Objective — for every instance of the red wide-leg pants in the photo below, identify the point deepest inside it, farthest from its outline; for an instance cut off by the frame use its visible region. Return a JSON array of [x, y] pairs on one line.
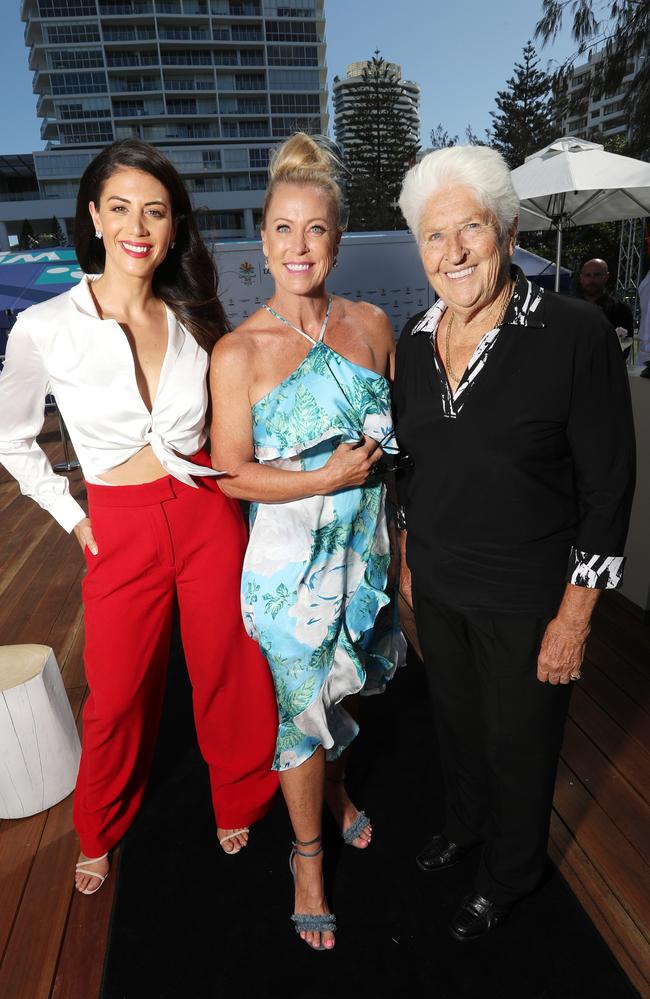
[[157, 541]]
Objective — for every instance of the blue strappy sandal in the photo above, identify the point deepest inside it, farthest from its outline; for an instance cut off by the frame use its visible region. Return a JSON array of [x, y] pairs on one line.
[[304, 922], [356, 828]]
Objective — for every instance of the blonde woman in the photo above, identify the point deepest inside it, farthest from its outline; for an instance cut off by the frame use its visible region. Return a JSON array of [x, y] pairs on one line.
[[301, 414]]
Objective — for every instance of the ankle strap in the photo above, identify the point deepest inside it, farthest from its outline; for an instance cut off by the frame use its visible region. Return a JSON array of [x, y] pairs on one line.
[[297, 843]]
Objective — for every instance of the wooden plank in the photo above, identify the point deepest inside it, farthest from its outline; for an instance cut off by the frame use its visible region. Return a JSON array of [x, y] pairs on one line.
[[624, 806], [634, 682], [32, 951], [624, 633], [617, 862], [631, 717], [626, 941], [626, 755], [80, 968], [19, 841]]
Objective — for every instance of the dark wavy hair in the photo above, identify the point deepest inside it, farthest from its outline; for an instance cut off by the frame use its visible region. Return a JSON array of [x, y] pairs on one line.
[[187, 279]]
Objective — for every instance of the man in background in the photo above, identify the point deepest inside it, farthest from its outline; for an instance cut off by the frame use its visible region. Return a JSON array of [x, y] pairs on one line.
[[593, 279]]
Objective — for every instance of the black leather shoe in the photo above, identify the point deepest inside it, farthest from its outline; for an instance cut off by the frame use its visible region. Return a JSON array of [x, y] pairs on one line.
[[439, 853], [475, 917]]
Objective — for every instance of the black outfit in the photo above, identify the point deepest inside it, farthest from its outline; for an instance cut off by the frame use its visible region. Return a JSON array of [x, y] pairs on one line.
[[522, 480], [618, 313]]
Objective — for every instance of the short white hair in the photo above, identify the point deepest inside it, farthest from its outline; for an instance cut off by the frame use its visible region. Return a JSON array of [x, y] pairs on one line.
[[479, 168]]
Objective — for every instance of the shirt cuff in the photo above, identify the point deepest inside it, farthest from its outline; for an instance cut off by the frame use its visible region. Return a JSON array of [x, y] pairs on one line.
[[597, 572], [67, 512]]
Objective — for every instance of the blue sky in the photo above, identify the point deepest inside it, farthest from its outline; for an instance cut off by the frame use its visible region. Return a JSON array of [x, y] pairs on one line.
[[459, 53]]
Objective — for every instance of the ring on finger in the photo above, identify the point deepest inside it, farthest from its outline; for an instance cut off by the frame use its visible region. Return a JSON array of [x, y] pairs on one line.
[[576, 676]]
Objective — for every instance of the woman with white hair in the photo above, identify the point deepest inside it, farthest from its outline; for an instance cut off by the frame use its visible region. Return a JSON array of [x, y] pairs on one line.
[[514, 406]]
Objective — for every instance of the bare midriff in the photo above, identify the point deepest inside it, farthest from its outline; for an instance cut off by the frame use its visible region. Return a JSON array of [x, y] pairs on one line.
[[140, 468]]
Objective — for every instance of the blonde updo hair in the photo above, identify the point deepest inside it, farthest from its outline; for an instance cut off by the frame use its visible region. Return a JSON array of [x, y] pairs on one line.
[[304, 160]]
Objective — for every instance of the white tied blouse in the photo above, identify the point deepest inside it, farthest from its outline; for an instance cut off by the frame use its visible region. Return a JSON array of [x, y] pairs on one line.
[[63, 347]]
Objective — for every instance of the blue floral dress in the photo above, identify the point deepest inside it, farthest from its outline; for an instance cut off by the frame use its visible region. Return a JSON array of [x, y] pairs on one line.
[[314, 574]]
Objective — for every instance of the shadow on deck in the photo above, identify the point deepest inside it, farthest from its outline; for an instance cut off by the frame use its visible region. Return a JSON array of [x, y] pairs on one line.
[[52, 939]]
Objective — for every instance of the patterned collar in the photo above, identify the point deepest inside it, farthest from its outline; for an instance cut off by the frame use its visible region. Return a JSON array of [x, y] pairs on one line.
[[526, 307]]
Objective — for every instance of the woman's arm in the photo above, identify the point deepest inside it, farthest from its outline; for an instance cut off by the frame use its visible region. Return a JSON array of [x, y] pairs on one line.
[[232, 441], [23, 387]]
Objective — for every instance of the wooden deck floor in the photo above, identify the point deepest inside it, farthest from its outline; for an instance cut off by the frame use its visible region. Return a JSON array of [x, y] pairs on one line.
[[600, 825], [52, 939]]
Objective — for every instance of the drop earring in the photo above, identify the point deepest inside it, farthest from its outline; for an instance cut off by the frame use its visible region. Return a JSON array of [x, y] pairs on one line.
[[267, 269], [336, 262], [172, 244], [98, 234]]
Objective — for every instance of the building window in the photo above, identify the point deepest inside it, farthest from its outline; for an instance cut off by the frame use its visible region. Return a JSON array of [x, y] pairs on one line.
[[295, 104], [180, 105], [293, 55], [298, 31], [84, 109], [79, 83], [246, 33], [258, 158], [296, 79], [249, 81], [75, 59], [214, 221], [285, 126], [71, 8], [70, 33], [86, 132]]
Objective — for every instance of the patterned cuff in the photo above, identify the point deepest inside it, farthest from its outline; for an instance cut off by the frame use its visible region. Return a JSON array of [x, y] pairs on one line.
[[598, 572]]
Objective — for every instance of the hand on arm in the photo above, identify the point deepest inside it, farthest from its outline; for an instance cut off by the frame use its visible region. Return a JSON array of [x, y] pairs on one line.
[[232, 441], [563, 645]]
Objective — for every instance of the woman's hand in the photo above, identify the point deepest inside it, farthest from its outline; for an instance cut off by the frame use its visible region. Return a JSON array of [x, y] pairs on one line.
[[562, 651], [84, 534], [351, 464]]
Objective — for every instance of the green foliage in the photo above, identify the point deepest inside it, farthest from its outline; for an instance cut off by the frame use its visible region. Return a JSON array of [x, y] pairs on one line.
[[378, 151], [620, 29], [523, 122], [274, 602], [328, 539], [288, 737], [27, 240]]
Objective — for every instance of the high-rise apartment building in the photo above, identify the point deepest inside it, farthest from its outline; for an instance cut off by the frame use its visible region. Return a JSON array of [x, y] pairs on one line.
[[346, 95], [601, 115], [213, 83]]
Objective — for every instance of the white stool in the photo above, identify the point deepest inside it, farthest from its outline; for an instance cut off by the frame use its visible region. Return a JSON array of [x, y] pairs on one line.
[[39, 745]]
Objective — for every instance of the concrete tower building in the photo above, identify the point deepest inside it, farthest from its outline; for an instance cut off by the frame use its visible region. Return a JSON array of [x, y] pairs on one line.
[[346, 96], [214, 83]]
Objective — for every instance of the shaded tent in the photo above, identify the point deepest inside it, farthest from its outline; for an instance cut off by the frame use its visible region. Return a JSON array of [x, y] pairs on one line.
[[575, 182]]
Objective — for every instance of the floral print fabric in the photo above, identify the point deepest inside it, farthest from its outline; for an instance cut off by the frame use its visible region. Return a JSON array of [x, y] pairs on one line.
[[315, 569]]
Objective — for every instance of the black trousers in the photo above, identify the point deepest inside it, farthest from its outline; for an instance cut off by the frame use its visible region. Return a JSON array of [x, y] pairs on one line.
[[500, 732]]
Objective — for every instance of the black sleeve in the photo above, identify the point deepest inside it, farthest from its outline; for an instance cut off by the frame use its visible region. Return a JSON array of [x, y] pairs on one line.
[[600, 431]]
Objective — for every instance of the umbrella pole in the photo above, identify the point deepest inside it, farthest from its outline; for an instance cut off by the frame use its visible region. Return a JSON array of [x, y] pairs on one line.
[[558, 256]]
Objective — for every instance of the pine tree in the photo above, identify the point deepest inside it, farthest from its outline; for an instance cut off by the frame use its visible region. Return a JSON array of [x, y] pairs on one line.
[[57, 233], [379, 148], [523, 122], [621, 31], [27, 240]]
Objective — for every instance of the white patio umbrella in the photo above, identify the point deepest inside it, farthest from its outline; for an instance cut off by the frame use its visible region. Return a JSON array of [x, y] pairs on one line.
[[575, 182]]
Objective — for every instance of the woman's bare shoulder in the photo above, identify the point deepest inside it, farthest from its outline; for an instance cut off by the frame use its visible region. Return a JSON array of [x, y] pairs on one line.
[[242, 342]]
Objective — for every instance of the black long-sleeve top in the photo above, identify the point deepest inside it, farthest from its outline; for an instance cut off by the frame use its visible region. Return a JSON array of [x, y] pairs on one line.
[[522, 479]]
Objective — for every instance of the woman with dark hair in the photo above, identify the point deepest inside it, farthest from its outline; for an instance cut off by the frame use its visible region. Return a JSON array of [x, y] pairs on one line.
[[126, 353]]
